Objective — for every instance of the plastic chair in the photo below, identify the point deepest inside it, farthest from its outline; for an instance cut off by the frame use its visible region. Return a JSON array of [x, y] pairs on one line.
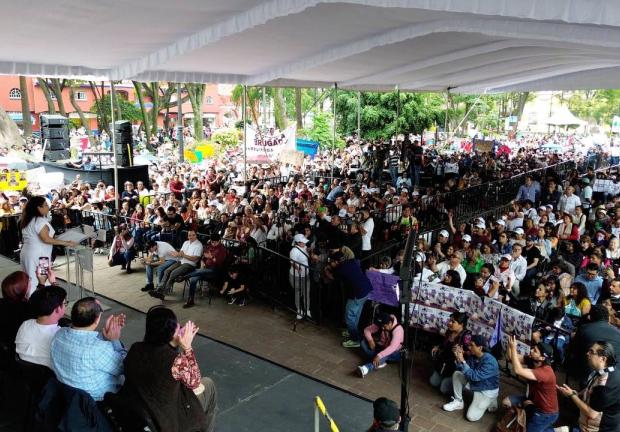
[[34, 377]]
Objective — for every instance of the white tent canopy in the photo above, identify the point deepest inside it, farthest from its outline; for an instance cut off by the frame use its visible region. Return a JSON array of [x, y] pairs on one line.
[[426, 45], [564, 117]]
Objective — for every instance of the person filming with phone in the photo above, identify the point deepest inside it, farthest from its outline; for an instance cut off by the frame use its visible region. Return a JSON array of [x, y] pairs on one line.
[[38, 235]]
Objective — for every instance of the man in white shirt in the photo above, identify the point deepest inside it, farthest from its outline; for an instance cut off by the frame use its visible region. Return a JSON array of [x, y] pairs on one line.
[[568, 201], [298, 275], [189, 257], [160, 256], [519, 267], [452, 263], [503, 272], [368, 226], [34, 337]]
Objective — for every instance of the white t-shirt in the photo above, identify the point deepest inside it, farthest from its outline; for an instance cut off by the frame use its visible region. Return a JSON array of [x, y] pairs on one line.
[[34, 340], [300, 256], [164, 250], [192, 249], [369, 226]]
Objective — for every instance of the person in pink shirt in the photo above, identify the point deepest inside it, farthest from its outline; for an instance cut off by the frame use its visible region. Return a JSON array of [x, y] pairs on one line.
[[382, 343]]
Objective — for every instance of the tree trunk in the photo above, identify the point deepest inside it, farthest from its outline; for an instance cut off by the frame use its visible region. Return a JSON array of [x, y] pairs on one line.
[[51, 109], [9, 132], [298, 114], [102, 118], [80, 113], [26, 120], [196, 94], [522, 101], [57, 89], [145, 117], [279, 112]]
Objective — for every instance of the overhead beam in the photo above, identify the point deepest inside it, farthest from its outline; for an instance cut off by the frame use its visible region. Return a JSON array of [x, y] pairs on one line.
[[550, 32]]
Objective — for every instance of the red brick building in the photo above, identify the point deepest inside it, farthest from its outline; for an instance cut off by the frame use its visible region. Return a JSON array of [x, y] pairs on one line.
[[217, 108]]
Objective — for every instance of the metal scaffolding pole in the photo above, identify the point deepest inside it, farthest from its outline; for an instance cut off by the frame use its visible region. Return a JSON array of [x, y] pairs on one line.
[[180, 124], [334, 126], [113, 133], [245, 132]]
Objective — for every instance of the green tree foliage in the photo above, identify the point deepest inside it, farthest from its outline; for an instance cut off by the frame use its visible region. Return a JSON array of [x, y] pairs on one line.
[[226, 137], [322, 131], [378, 113], [128, 110], [598, 106]]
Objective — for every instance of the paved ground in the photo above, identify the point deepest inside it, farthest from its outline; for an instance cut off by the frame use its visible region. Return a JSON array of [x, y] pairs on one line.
[[311, 350]]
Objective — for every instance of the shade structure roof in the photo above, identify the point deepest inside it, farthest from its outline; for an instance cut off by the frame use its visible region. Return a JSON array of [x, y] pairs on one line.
[[467, 46], [564, 117]]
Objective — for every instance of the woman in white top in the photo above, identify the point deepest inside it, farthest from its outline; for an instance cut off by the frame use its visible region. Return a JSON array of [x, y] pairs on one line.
[[613, 250], [38, 238]]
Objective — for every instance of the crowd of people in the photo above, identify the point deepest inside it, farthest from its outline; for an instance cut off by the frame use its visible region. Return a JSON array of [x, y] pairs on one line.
[[553, 255]]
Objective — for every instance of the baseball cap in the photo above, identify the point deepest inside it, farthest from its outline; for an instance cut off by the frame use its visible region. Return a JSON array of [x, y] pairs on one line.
[[500, 222], [382, 318], [532, 237], [480, 225], [507, 257], [444, 233], [300, 238], [546, 350], [519, 231], [385, 411], [467, 238]]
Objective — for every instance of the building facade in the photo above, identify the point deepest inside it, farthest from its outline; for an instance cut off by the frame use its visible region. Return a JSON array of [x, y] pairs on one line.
[[217, 109]]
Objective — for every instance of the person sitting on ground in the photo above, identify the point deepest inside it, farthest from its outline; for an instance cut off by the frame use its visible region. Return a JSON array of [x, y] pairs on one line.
[[443, 355], [189, 256], [85, 359], [122, 251], [163, 373], [213, 261], [600, 398], [382, 343], [479, 373], [541, 406], [235, 286], [34, 337], [386, 415], [159, 257]]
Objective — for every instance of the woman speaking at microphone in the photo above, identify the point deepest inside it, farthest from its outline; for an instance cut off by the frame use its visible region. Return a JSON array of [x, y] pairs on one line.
[[38, 240]]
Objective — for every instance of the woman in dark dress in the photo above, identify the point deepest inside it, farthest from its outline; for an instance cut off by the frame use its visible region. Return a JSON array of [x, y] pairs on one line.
[[14, 311], [162, 372]]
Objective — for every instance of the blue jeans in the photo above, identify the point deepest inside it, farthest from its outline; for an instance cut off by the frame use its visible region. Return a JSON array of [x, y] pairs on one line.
[[160, 271], [415, 171], [200, 275], [536, 421], [352, 313], [395, 356], [123, 258], [394, 174]]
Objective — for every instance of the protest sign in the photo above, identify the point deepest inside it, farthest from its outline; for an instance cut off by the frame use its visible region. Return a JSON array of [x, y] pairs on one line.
[[266, 147]]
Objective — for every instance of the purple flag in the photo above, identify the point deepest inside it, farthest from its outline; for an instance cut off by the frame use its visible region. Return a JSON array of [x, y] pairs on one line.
[[496, 337], [384, 287]]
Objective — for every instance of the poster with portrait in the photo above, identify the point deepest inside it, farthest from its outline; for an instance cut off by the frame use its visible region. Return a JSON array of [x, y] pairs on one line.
[[490, 312], [428, 318], [517, 323]]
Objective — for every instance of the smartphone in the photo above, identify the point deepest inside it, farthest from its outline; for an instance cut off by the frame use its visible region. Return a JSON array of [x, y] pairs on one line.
[[44, 265]]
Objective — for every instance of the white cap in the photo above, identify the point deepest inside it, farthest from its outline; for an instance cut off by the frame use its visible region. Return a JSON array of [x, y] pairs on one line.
[[519, 231], [500, 222], [444, 233], [300, 238], [480, 225], [405, 190], [467, 238], [415, 193], [506, 257]]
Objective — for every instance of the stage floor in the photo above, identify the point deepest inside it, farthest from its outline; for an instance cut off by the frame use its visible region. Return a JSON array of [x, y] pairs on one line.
[[267, 375]]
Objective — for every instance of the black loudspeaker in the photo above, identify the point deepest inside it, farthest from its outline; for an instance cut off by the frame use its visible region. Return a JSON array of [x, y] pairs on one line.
[[124, 142], [55, 135], [56, 155]]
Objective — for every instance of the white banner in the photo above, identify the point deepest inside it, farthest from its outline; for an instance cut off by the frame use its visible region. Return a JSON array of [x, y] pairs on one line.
[[615, 124], [267, 147]]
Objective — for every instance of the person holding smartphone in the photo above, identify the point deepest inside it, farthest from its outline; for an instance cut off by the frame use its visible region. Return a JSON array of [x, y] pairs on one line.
[[38, 236]]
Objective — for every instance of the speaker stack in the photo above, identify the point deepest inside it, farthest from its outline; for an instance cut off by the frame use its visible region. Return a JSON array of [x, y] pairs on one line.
[[55, 136], [124, 143]]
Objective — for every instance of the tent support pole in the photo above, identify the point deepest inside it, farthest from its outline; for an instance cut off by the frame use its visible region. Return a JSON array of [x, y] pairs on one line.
[[445, 127], [245, 132], [359, 115], [334, 126], [397, 129], [113, 133], [180, 124]]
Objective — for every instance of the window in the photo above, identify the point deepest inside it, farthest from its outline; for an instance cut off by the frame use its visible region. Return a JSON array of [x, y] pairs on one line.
[[81, 96], [209, 100], [15, 93]]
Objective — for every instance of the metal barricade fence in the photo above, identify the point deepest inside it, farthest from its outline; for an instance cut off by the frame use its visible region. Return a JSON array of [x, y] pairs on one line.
[[320, 410]]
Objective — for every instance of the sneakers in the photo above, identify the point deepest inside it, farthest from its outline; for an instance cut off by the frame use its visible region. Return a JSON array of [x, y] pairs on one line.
[[299, 316], [454, 405], [362, 371], [350, 344], [189, 303], [345, 334], [381, 365], [148, 287], [241, 303], [232, 300]]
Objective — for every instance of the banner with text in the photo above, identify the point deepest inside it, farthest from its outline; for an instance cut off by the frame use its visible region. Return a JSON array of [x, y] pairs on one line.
[[266, 147]]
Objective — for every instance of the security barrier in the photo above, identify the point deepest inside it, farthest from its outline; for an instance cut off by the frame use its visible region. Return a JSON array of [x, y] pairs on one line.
[[319, 408]]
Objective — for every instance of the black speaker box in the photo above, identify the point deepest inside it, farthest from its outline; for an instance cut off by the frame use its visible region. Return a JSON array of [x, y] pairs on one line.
[[53, 156], [53, 120], [55, 144], [55, 132]]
